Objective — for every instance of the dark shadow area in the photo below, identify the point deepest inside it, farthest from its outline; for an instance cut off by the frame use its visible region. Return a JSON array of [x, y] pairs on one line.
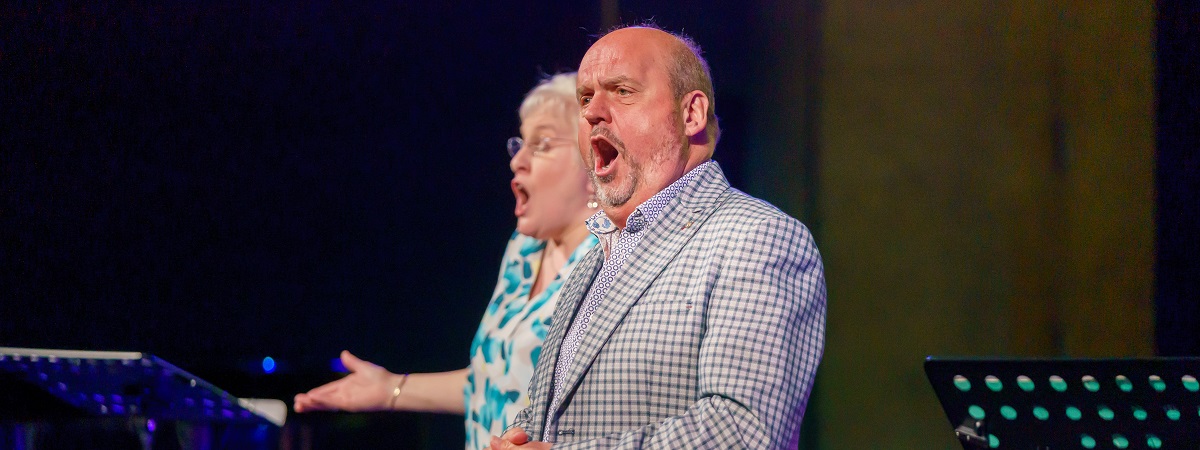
[[1177, 272]]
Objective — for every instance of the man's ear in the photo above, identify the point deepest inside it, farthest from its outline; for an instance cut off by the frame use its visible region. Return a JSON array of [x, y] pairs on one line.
[[694, 110]]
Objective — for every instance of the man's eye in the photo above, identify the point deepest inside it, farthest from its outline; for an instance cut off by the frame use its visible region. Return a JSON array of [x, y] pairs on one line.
[[623, 92], [583, 101]]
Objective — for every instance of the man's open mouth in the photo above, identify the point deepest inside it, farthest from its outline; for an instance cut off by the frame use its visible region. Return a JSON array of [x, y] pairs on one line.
[[605, 153]]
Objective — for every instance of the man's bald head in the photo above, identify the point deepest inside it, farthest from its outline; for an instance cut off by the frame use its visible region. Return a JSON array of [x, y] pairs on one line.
[[645, 115], [688, 70]]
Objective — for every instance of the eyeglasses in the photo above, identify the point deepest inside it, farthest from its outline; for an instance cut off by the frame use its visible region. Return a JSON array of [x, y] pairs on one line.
[[539, 146]]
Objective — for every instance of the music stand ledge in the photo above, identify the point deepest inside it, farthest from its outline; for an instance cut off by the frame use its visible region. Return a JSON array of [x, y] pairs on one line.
[[1056, 404]]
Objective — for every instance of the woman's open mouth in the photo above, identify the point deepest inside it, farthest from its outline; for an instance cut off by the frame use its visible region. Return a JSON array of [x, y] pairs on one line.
[[522, 197]]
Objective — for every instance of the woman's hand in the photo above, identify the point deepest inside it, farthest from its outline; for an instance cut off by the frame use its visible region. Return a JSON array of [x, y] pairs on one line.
[[368, 387]]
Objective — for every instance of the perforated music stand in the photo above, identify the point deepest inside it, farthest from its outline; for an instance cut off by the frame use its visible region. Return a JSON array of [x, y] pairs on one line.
[[1070, 403], [133, 384]]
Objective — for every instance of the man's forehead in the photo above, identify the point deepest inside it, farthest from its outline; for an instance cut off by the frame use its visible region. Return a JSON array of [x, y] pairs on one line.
[[599, 59], [603, 63], [605, 51]]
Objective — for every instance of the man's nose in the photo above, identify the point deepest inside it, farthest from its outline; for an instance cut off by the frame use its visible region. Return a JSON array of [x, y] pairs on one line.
[[596, 110]]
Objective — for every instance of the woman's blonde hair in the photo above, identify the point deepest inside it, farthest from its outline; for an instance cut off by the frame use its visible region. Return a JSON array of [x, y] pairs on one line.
[[556, 91]]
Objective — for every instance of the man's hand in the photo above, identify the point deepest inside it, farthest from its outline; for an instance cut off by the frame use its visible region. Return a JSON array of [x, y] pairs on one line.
[[516, 438], [368, 387]]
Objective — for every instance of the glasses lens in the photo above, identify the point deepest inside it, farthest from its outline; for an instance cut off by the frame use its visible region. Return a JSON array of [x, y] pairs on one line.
[[514, 146]]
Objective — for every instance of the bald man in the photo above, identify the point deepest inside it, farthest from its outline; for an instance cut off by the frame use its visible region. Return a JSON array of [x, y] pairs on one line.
[[699, 321]]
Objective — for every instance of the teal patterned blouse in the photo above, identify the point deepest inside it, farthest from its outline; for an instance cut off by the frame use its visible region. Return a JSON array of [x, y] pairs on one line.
[[509, 340]]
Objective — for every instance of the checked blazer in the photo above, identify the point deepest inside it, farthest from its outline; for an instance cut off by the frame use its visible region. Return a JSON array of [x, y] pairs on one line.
[[709, 337]]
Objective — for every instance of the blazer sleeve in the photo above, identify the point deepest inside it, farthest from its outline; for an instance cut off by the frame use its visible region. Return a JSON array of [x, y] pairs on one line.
[[764, 337]]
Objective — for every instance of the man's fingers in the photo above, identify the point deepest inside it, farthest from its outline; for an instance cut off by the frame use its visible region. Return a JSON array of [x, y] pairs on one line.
[[517, 436], [501, 444]]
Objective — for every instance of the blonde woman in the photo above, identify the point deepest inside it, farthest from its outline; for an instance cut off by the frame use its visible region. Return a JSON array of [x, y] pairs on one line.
[[553, 199]]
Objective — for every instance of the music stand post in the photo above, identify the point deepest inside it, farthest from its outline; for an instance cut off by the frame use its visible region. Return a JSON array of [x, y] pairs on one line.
[[1056, 404]]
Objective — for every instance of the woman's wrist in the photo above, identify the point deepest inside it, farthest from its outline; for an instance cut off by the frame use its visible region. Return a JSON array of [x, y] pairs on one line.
[[397, 389]]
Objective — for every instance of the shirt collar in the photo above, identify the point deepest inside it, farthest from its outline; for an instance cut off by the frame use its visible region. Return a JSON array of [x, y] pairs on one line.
[[646, 213]]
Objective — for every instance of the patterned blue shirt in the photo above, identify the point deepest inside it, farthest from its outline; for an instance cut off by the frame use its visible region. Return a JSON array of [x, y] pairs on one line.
[[618, 244], [509, 340]]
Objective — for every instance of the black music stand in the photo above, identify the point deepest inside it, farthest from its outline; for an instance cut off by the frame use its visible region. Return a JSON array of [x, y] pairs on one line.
[[1056, 404], [92, 384]]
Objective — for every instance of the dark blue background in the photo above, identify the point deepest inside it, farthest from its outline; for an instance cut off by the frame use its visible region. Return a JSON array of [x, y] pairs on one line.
[[215, 182]]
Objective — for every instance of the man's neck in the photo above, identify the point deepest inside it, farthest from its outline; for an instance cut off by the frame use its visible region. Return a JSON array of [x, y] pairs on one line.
[[619, 215]]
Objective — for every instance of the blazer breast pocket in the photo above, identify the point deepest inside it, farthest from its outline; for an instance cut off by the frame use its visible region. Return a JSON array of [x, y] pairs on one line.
[[664, 329]]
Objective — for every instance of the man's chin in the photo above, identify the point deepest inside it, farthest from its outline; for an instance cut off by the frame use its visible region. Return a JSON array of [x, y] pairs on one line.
[[609, 191], [613, 199]]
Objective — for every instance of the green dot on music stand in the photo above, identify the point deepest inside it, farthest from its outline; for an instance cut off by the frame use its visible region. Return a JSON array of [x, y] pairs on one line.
[[1124, 384], [1105, 413], [1172, 413], [1058, 383], [1073, 413], [962, 383], [1025, 383], [1120, 441], [1041, 413], [1087, 441], [976, 412], [1190, 383], [993, 383], [1139, 413], [1090, 383], [1008, 412], [1157, 383], [1153, 441], [993, 441]]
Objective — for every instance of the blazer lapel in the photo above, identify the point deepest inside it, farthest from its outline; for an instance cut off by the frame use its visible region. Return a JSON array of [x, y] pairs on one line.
[[674, 227], [574, 290]]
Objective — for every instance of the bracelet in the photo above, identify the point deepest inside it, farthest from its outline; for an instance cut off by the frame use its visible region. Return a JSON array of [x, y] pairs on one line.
[[396, 391]]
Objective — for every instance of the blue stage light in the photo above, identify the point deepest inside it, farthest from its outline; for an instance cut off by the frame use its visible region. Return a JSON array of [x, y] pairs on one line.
[[336, 365], [268, 364]]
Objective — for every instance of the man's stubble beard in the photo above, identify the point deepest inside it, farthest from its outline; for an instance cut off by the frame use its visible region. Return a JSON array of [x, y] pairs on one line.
[[610, 196]]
